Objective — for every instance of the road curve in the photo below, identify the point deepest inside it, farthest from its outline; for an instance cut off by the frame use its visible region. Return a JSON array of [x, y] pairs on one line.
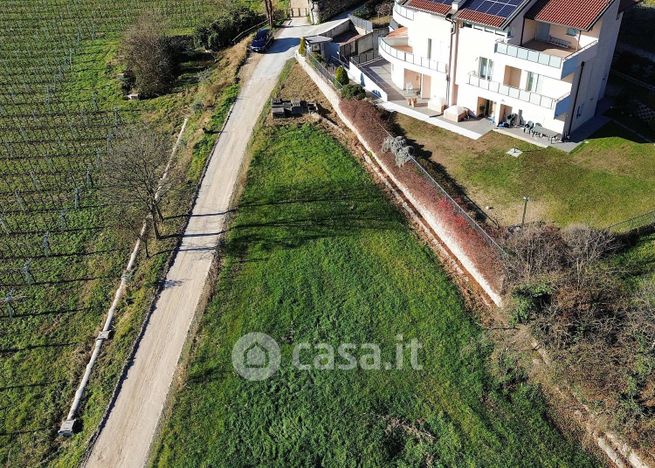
[[126, 437]]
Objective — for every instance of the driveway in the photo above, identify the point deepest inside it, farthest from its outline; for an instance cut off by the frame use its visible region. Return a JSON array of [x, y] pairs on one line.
[[126, 437]]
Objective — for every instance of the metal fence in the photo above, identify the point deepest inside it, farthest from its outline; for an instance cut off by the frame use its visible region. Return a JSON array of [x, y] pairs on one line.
[[326, 73], [298, 12], [459, 209], [635, 224]]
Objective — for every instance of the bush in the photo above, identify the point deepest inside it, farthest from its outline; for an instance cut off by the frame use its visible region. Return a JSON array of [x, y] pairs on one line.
[[341, 76], [220, 32], [303, 46], [149, 56], [353, 92]]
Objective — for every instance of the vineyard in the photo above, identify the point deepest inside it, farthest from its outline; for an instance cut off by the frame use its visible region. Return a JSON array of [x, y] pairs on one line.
[[60, 257]]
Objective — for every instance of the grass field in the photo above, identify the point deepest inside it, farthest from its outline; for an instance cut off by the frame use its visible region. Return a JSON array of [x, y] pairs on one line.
[[60, 98], [607, 180], [316, 253]]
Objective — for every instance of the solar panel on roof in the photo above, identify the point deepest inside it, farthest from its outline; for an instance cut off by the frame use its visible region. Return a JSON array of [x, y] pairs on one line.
[[503, 8]]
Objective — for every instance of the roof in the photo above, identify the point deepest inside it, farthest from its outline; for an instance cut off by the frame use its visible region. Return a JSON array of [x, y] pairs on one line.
[[399, 32], [494, 13], [318, 39], [440, 7], [473, 16], [570, 13]]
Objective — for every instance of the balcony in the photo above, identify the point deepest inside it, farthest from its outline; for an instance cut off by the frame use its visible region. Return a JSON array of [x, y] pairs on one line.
[[546, 58], [403, 16], [559, 106], [398, 51]]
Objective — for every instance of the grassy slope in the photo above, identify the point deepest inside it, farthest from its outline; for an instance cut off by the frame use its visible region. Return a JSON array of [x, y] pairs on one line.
[[605, 181], [316, 253]]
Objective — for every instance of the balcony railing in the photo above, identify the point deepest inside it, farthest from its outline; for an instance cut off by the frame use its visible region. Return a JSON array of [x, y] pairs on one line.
[[410, 58], [403, 12], [536, 56], [516, 93]]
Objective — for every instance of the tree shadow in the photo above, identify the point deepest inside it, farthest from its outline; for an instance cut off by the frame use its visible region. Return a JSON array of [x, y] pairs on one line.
[[293, 215]]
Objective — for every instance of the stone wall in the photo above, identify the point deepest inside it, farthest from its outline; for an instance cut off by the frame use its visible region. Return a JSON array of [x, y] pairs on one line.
[[323, 10]]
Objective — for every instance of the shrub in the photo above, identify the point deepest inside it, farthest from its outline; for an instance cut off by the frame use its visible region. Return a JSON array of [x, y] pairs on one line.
[[220, 32], [341, 76], [149, 56], [303, 46], [353, 92], [369, 120]]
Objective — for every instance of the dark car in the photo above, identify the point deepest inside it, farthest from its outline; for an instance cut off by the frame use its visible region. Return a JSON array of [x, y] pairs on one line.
[[262, 40]]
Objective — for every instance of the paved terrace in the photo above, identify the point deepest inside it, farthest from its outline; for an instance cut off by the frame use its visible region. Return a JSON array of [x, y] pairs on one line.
[[380, 72]]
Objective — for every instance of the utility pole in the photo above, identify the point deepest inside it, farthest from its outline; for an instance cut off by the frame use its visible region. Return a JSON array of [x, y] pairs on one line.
[[525, 209], [269, 12]]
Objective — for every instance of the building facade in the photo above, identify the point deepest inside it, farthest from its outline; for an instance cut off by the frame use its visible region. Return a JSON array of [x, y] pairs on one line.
[[546, 61]]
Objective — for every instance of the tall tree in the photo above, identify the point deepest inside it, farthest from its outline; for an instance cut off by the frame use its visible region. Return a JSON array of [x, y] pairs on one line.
[[132, 172]]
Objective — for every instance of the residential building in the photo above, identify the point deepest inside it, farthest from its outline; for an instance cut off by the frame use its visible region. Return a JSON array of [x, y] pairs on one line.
[[547, 61]]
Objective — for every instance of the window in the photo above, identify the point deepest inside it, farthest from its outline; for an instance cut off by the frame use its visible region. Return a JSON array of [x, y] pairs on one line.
[[429, 49], [572, 32], [534, 82], [486, 68]]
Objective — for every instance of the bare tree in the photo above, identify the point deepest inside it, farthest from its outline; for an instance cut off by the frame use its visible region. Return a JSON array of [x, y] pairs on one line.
[[133, 168], [148, 55]]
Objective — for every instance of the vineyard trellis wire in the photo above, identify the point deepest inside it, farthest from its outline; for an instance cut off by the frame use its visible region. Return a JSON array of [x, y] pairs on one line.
[[55, 128]]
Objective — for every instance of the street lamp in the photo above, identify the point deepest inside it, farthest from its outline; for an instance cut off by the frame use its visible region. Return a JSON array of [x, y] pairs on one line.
[[525, 209]]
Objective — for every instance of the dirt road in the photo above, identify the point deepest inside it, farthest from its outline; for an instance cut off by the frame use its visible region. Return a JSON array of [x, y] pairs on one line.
[[127, 435]]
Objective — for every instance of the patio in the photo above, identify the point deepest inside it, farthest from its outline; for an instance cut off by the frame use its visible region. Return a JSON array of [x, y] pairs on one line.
[[379, 72]]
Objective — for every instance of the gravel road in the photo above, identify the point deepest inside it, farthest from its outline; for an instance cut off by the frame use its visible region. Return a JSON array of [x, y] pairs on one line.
[[126, 438]]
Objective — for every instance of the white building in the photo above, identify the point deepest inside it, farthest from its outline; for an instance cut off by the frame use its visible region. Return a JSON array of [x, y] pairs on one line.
[[545, 60]]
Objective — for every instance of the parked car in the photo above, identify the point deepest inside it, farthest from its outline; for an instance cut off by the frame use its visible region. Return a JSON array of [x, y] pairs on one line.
[[262, 40]]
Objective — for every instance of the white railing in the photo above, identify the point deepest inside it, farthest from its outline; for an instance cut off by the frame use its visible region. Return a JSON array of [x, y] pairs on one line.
[[536, 56], [403, 12], [413, 59], [516, 93]]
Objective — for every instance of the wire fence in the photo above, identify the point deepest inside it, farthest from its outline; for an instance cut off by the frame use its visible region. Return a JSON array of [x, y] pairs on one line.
[[458, 208], [322, 69], [634, 224]]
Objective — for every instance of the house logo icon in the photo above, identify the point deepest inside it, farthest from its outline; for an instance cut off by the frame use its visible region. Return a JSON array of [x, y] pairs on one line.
[[256, 356]]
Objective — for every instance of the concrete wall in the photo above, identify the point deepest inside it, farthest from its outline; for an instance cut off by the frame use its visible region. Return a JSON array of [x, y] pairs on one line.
[[426, 27], [596, 71], [356, 75]]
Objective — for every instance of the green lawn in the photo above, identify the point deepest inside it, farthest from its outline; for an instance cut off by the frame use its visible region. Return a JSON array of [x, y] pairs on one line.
[[604, 181], [316, 253]]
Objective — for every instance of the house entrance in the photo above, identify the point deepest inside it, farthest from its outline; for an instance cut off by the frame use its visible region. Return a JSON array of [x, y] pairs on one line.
[[486, 108]]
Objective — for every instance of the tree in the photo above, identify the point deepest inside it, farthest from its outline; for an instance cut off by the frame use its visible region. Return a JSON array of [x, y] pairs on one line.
[[341, 76], [270, 12], [132, 172], [148, 55]]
